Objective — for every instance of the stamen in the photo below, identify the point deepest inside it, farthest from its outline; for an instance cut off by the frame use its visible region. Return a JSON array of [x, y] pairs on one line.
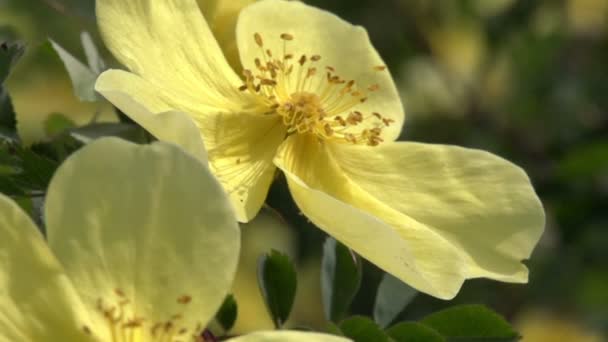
[[312, 102]]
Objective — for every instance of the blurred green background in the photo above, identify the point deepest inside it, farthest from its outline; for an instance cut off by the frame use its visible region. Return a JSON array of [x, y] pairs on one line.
[[527, 80]]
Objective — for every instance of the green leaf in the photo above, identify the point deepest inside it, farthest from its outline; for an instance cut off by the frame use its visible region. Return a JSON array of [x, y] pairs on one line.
[[392, 297], [8, 121], [83, 78], [340, 279], [131, 132], [57, 123], [413, 332], [278, 282], [471, 323], [9, 55], [96, 63], [362, 329], [227, 314]]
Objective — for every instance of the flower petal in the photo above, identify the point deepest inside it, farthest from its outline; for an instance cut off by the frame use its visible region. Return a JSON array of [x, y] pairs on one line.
[[169, 43], [481, 203], [147, 224], [222, 16], [345, 47], [37, 300], [288, 336], [240, 146], [393, 241]]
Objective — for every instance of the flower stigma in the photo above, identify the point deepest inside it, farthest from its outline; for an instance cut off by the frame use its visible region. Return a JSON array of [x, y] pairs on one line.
[[313, 100], [126, 326]]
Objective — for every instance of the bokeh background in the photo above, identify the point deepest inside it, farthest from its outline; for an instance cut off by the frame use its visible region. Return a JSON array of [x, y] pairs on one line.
[[527, 80]]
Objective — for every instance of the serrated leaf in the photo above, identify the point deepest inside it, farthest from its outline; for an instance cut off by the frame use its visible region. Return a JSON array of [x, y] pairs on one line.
[[413, 332], [278, 283], [471, 323], [362, 329], [9, 55], [83, 78], [96, 63], [392, 297], [340, 279], [226, 316]]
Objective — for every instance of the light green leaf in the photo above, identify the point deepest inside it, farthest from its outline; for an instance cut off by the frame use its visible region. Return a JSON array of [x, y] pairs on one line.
[[392, 297], [83, 78]]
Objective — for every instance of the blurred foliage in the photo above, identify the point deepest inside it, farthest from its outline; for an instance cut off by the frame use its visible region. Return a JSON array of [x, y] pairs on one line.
[[527, 80]]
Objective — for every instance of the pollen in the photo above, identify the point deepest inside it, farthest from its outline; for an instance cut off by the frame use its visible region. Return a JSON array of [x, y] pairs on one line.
[[310, 97], [125, 325]]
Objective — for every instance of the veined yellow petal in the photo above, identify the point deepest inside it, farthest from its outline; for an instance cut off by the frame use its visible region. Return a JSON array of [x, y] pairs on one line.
[[340, 45], [144, 229], [240, 146], [169, 44], [481, 203], [37, 300], [395, 242], [288, 336], [222, 16]]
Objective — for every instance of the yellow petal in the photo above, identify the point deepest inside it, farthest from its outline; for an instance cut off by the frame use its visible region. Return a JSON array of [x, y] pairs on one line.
[[37, 300], [345, 47], [288, 336], [393, 241], [240, 146], [169, 44], [222, 16], [482, 204], [148, 224]]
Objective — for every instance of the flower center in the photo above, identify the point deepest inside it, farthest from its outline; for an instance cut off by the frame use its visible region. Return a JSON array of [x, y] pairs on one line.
[[311, 101], [126, 326]]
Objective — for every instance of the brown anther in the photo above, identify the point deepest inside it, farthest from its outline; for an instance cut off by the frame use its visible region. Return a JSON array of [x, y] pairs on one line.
[[354, 118], [350, 138], [387, 122], [380, 68], [328, 130], [332, 69], [311, 72], [269, 53], [340, 120], [268, 82], [86, 330], [168, 326], [377, 115], [315, 58], [302, 60], [363, 100], [243, 87], [288, 56], [119, 292], [286, 36], [374, 87], [182, 331], [258, 39], [356, 93], [185, 299], [258, 63]]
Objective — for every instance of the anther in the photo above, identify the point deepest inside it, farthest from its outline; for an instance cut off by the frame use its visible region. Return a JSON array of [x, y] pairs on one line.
[[258, 39], [185, 299], [302, 60], [380, 68], [315, 58], [286, 36]]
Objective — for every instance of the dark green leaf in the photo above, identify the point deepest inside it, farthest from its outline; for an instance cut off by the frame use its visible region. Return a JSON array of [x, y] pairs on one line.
[[471, 323], [413, 332], [392, 297], [8, 121], [278, 282], [362, 329], [57, 123], [9, 55], [226, 316], [340, 279]]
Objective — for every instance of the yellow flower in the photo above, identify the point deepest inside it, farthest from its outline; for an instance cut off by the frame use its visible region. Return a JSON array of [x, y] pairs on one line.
[[317, 102], [128, 259]]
